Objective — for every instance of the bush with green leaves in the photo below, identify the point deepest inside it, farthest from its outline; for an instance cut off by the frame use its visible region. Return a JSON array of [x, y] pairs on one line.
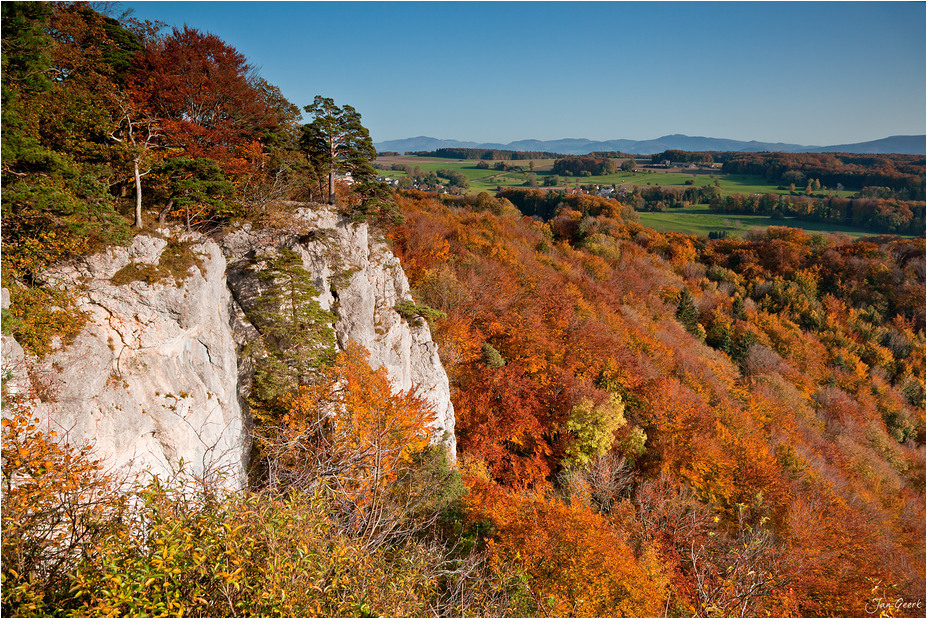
[[38, 315], [593, 430]]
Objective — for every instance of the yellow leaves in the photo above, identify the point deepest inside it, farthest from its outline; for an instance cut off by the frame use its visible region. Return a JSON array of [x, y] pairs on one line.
[[42, 513], [593, 428], [350, 429]]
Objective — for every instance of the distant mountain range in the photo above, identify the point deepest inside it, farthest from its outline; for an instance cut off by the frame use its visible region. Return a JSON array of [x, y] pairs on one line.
[[904, 144]]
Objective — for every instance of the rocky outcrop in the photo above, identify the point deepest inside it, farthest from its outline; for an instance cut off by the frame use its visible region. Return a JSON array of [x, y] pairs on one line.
[[152, 379], [155, 377], [361, 281]]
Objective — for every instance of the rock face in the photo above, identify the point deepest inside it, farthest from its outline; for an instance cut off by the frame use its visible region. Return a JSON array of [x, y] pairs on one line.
[[151, 380], [155, 378], [361, 281]]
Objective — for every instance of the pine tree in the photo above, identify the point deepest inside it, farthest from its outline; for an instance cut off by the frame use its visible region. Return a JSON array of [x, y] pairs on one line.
[[298, 338], [719, 337], [336, 141], [687, 313], [198, 187], [737, 308]]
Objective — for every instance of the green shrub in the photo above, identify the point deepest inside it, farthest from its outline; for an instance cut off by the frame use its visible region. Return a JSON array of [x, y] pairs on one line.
[[175, 262], [492, 357]]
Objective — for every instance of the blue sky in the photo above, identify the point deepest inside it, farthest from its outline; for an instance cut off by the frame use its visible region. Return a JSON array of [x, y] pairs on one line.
[[803, 72]]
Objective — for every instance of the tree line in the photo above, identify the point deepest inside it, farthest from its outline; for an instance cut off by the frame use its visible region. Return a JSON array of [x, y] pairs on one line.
[[584, 166], [545, 204], [879, 215], [682, 156], [902, 173], [610, 154], [656, 198]]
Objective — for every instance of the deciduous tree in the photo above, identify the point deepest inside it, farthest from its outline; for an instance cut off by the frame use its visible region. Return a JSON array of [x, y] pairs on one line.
[[205, 94], [138, 133], [350, 433]]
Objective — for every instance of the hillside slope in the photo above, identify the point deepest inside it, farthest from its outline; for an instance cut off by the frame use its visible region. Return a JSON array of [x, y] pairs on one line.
[[779, 380]]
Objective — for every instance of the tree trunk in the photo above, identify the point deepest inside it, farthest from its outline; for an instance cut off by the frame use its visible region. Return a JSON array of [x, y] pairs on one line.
[[162, 216], [138, 197], [332, 153], [331, 187]]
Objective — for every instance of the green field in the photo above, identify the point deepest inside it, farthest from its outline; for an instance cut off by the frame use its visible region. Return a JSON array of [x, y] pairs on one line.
[[480, 180], [699, 220], [696, 219], [489, 180]]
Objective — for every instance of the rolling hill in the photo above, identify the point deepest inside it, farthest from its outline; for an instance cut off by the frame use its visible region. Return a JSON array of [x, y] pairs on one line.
[[904, 144]]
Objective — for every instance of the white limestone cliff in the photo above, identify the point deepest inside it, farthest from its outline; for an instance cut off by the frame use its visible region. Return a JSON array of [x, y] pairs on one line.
[[154, 378], [151, 379], [361, 281]]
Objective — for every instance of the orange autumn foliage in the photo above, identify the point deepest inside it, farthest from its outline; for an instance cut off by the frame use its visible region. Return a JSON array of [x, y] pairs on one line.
[[815, 377], [58, 502], [577, 564], [349, 428]]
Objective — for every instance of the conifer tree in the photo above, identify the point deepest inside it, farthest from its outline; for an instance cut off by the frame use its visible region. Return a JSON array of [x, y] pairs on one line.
[[336, 141], [687, 313], [737, 308], [492, 357], [198, 187], [57, 168], [298, 338]]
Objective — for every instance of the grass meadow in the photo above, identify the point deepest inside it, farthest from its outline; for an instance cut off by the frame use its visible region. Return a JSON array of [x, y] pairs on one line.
[[488, 180], [697, 219]]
